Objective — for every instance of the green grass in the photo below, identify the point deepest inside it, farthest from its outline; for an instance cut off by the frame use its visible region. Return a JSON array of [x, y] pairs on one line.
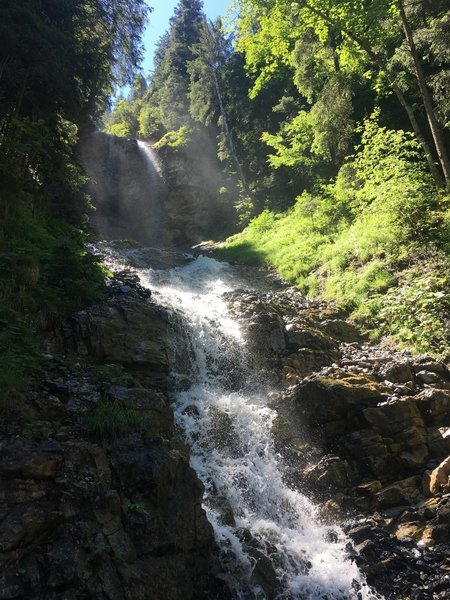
[[45, 274], [110, 419], [355, 243]]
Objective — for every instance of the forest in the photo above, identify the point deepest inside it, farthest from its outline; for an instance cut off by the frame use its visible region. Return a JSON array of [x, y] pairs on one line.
[[330, 122], [225, 301]]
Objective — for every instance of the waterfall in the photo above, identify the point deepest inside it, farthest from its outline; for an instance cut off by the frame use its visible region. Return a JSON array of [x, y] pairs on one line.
[[126, 187], [271, 540], [151, 159]]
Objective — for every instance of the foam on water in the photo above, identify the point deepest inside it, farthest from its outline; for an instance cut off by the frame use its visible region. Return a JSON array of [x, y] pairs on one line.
[[255, 515]]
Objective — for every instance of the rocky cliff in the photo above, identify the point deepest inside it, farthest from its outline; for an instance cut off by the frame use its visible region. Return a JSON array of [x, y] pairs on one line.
[[364, 428], [97, 497], [160, 198]]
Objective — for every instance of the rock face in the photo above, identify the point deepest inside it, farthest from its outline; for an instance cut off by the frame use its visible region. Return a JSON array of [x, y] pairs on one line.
[[126, 188], [97, 498], [365, 429], [164, 199]]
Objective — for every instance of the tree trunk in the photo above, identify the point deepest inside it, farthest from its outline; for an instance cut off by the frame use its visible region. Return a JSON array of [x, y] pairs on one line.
[[378, 60], [226, 129], [422, 141], [228, 133], [426, 97]]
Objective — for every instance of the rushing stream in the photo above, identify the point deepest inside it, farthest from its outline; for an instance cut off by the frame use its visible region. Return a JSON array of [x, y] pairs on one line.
[[271, 539]]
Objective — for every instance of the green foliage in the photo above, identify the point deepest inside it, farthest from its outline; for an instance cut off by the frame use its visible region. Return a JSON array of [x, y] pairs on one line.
[[123, 121], [175, 139], [139, 508], [112, 371], [57, 70], [110, 419], [417, 312], [45, 273], [349, 241]]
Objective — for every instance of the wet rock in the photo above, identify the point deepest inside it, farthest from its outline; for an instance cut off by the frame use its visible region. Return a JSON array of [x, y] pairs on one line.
[[331, 472], [399, 493], [152, 404], [322, 399], [124, 331]]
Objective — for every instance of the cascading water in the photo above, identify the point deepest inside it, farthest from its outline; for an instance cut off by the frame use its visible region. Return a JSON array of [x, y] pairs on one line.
[[272, 542], [126, 186]]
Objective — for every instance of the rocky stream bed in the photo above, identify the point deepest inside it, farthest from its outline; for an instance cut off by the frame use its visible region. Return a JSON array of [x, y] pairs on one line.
[[95, 511]]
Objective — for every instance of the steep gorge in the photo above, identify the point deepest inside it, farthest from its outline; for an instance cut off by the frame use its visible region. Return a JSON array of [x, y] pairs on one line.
[[185, 422]]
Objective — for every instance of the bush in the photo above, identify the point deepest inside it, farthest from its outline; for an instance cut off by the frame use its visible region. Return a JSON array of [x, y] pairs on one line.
[[351, 241], [417, 312]]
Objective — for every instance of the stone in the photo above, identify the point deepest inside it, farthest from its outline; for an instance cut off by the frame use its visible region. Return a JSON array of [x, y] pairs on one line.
[[435, 534], [23, 460], [412, 531], [304, 362], [399, 493], [434, 367], [126, 331], [331, 472], [439, 478], [341, 330], [434, 405], [25, 524], [438, 439], [153, 405], [323, 399], [307, 337], [397, 372], [370, 488], [428, 377], [394, 418]]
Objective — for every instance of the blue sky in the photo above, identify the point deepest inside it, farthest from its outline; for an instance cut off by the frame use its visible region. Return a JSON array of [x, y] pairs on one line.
[[159, 23]]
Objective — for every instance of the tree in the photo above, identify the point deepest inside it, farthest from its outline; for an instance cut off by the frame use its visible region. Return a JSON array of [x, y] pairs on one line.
[[206, 96], [169, 85], [365, 37]]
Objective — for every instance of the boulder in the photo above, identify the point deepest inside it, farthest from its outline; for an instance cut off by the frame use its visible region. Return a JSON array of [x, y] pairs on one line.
[[399, 493], [152, 404], [123, 330], [438, 439], [341, 330], [397, 372], [331, 473], [440, 478], [322, 399], [23, 460]]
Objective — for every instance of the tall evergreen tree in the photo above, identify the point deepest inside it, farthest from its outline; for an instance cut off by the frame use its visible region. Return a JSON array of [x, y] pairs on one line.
[[169, 86]]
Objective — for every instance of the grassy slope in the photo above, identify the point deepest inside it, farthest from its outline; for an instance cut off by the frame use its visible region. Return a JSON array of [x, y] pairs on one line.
[[45, 273], [375, 241]]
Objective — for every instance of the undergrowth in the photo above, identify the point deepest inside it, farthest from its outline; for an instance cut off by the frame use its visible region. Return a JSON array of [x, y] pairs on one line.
[[375, 241], [45, 274], [110, 419]]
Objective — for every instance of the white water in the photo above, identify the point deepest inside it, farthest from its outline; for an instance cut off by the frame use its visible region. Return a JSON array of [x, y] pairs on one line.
[[150, 157], [228, 431]]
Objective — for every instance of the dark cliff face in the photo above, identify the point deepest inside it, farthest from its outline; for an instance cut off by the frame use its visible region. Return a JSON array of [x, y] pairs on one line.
[[168, 199], [97, 498], [126, 189]]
